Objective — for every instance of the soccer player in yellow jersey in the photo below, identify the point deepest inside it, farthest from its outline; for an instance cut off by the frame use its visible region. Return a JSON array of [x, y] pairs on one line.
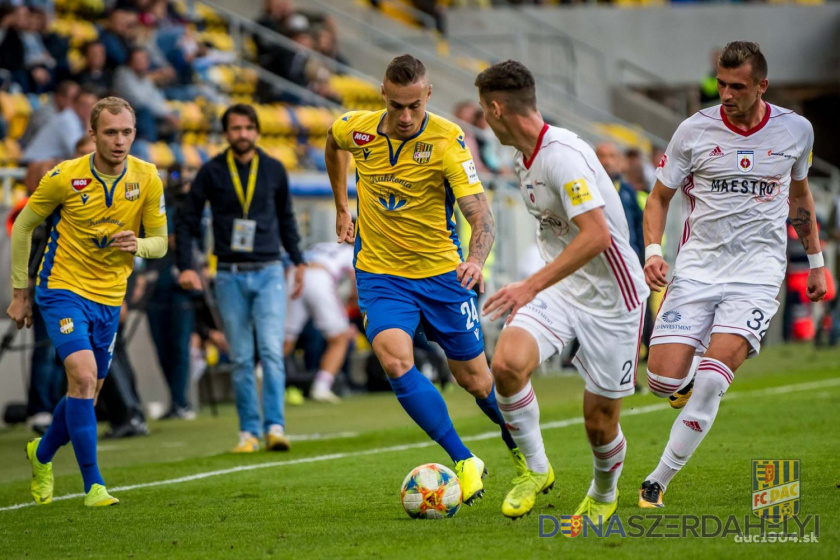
[[411, 168], [96, 205]]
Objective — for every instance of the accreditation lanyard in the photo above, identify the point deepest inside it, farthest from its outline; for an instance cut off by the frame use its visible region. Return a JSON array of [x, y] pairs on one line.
[[245, 198]]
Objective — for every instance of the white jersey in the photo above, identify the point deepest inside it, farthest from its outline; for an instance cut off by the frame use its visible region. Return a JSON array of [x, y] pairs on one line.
[[337, 258], [736, 187], [561, 180]]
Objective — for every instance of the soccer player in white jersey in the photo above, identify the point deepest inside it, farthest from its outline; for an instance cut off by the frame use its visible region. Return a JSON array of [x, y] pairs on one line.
[[743, 169], [592, 288], [328, 264]]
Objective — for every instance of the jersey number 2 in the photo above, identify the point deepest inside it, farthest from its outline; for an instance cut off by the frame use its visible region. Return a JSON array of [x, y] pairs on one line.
[[468, 309]]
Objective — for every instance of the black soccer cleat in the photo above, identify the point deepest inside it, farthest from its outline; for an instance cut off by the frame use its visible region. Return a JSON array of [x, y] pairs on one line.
[[650, 495]]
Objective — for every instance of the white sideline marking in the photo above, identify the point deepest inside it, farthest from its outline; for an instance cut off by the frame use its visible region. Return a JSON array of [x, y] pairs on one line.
[[487, 435]]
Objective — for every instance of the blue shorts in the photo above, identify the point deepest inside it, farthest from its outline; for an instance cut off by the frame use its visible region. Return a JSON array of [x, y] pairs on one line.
[[75, 323], [447, 311]]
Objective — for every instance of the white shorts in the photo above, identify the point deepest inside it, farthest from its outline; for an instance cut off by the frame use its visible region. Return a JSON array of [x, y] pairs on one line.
[[609, 345], [320, 301], [692, 311]]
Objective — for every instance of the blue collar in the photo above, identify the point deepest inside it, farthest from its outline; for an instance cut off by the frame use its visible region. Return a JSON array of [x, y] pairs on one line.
[[393, 157], [109, 195]]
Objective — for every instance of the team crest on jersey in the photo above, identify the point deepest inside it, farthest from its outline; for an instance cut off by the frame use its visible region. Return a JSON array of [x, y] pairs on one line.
[[775, 489], [80, 184], [529, 188], [662, 161], [422, 152], [746, 160], [65, 326], [132, 191], [362, 138]]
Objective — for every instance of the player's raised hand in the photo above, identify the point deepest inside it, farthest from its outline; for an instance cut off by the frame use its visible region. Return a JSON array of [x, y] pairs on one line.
[[816, 285], [510, 298], [656, 273], [125, 241], [344, 227], [469, 275], [20, 310]]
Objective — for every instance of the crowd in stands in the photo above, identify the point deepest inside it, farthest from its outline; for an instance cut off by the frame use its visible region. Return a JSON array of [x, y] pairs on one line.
[[177, 66]]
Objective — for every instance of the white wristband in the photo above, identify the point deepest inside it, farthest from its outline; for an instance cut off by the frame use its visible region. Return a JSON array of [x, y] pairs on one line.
[[816, 260], [654, 249]]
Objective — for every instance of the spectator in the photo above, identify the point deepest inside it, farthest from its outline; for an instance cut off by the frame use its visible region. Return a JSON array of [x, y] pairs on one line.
[[634, 170], [56, 140], [465, 113], [22, 52], [613, 162], [119, 37], [491, 152], [169, 308], [133, 84], [275, 16], [55, 46], [326, 43], [251, 206], [64, 96], [95, 75]]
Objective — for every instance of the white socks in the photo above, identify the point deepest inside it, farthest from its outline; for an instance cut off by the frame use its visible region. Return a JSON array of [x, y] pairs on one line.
[[608, 463], [695, 420], [522, 417], [323, 381]]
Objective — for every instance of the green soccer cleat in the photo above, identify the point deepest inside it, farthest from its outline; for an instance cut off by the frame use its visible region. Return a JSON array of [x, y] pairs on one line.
[[597, 512], [98, 496], [41, 485], [519, 464], [520, 500], [470, 472]]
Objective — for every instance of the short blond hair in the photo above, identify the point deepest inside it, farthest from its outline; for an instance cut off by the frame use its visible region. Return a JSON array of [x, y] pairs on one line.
[[113, 105]]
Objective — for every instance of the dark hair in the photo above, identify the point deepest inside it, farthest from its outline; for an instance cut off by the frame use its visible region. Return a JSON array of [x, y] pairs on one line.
[[513, 81], [241, 109], [405, 70], [736, 53], [65, 87], [89, 44]]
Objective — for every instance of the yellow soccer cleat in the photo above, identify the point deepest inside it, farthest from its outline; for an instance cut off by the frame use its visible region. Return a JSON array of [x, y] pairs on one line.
[[470, 472], [247, 444], [276, 439], [98, 496], [650, 495], [41, 485], [520, 500], [680, 398], [294, 396], [597, 512], [519, 464]]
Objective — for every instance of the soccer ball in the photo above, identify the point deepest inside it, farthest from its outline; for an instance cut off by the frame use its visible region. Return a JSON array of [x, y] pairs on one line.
[[431, 491]]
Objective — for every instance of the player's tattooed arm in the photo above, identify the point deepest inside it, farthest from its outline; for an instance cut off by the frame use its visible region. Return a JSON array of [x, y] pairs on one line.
[[803, 224], [476, 210], [803, 215]]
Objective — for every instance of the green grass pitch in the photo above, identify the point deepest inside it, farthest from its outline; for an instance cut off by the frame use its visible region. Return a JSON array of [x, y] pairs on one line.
[[336, 495]]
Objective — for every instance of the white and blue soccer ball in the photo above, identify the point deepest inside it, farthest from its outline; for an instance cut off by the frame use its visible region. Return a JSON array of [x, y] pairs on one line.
[[431, 491]]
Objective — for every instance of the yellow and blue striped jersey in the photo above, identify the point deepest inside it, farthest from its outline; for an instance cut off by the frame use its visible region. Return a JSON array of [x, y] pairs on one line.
[[85, 210], [406, 193]]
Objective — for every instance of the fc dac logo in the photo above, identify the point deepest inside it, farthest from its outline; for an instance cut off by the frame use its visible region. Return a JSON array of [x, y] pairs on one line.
[[775, 489]]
